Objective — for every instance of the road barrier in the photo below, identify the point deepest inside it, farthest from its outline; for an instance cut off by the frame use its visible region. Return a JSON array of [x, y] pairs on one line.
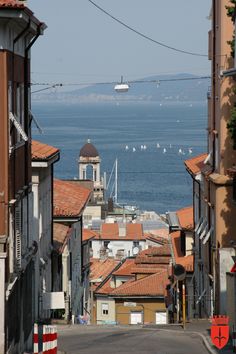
[[36, 339], [49, 339], [234, 339]]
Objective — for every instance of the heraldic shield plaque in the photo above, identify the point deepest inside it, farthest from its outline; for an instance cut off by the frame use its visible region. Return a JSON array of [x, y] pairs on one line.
[[220, 331]]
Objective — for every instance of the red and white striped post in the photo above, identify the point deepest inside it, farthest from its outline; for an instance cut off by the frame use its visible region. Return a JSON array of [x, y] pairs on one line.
[[45, 339], [49, 339], [234, 338], [54, 340], [36, 339]]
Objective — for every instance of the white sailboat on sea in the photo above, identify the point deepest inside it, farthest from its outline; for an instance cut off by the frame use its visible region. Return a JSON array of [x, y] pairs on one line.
[[114, 190]]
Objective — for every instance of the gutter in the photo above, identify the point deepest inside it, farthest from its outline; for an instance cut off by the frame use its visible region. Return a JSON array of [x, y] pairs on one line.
[[45, 162], [71, 219], [127, 297], [228, 73]]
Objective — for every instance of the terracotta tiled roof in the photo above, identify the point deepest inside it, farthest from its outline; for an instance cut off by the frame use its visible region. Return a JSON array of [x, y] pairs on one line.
[[150, 269], [125, 269], [69, 199], [195, 165], [12, 3], [40, 151], [102, 268], [60, 235], [185, 261], [158, 236], [134, 231], [109, 231], [153, 285], [185, 216], [156, 239], [157, 251], [164, 233], [88, 234], [20, 5], [106, 289], [152, 260]]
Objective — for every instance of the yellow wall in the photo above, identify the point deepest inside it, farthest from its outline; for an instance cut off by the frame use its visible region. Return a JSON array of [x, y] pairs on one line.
[[148, 306]]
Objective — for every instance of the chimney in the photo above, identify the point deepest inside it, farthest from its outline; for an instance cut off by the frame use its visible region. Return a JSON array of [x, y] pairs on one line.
[[110, 205], [122, 230]]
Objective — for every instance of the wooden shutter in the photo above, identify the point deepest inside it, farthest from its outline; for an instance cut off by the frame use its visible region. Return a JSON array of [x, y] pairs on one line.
[[18, 235]]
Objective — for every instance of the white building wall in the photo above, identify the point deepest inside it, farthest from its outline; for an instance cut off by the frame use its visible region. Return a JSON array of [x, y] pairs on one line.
[[226, 262], [42, 213], [92, 212], [115, 246]]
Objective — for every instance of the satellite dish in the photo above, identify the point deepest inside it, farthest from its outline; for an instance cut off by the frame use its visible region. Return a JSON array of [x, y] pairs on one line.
[[179, 272], [135, 250]]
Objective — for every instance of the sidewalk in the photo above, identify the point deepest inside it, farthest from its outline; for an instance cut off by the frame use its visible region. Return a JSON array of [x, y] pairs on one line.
[[201, 328], [204, 327]]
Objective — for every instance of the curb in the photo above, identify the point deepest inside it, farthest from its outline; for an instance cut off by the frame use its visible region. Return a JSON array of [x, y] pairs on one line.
[[206, 343]]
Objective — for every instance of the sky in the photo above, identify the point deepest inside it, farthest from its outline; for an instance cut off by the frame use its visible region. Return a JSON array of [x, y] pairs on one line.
[[82, 44]]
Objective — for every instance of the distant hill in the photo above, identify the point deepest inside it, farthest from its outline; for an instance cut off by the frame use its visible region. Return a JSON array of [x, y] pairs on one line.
[[173, 91]]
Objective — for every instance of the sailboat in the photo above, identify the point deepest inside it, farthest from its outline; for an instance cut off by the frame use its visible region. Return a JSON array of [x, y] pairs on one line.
[[114, 189]]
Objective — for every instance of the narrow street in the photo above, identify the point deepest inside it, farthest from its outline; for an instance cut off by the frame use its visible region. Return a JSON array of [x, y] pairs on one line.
[[125, 340]]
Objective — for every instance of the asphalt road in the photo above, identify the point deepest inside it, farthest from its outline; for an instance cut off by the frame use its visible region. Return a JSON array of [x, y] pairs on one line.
[[126, 340]]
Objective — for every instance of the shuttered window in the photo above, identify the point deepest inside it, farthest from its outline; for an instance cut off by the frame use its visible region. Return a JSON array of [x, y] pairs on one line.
[[18, 234], [105, 309]]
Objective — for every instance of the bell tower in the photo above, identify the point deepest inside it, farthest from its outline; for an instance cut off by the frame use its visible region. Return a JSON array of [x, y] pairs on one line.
[[89, 158]]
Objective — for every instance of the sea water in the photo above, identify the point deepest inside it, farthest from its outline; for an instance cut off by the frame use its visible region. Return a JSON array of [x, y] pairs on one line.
[[150, 140]]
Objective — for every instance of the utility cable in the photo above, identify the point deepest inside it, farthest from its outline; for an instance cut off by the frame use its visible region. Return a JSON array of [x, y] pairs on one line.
[[144, 35], [46, 88], [157, 81]]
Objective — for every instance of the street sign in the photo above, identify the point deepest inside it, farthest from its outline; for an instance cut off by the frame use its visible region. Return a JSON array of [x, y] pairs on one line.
[[53, 300], [130, 304]]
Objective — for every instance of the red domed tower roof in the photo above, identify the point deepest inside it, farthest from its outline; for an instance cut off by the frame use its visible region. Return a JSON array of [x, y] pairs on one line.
[[88, 150]]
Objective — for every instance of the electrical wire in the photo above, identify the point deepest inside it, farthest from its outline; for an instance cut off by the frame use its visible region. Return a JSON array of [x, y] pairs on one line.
[[157, 81], [46, 88], [144, 35]]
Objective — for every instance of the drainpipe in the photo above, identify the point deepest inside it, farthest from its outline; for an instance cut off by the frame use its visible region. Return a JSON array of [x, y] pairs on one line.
[[26, 99], [214, 81]]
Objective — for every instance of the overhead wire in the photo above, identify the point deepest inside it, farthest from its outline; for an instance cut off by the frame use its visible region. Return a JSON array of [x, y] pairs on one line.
[[144, 35], [46, 88], [157, 81]]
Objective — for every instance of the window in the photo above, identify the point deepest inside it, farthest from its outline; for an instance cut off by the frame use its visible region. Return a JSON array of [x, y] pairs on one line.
[[104, 309], [20, 107], [16, 114], [18, 235], [136, 243], [106, 243]]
